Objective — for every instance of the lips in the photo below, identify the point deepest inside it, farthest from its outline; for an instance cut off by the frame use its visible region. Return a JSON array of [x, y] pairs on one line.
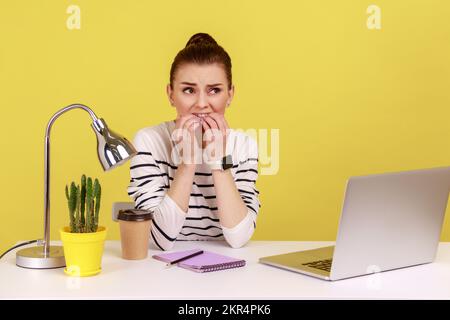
[[200, 115]]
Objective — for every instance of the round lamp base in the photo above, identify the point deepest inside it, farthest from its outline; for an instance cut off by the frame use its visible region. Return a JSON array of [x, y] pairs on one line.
[[34, 258]]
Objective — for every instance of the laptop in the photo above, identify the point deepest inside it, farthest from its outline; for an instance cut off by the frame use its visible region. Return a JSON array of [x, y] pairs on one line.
[[388, 221]]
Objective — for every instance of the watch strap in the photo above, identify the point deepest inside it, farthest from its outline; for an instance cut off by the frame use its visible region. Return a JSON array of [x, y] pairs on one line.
[[222, 164]]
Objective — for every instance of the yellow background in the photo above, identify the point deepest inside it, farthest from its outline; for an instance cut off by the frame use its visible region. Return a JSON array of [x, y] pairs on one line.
[[347, 100]]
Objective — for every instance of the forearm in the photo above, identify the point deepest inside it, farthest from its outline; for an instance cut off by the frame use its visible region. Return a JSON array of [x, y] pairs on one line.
[[181, 186], [231, 208]]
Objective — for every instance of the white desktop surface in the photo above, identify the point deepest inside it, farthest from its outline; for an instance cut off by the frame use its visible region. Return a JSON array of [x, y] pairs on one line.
[[151, 279]]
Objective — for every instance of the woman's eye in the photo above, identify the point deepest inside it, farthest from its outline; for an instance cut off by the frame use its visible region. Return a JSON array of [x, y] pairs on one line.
[[216, 90]]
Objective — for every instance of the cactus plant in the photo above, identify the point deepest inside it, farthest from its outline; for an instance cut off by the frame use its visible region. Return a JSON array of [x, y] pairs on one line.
[[97, 195], [83, 198], [84, 205], [88, 203], [72, 202]]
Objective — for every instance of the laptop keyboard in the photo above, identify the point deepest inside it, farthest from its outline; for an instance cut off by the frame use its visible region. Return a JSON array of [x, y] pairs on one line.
[[324, 265]]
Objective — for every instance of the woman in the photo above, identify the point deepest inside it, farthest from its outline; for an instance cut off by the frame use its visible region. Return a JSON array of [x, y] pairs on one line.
[[206, 197]]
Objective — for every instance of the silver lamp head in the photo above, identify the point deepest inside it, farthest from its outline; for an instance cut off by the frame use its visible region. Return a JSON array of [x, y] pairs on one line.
[[112, 148]]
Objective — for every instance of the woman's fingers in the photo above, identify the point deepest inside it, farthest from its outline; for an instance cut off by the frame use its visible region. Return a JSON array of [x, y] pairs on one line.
[[218, 134], [186, 132], [205, 126], [210, 121], [191, 124], [213, 126], [183, 123], [182, 120], [220, 121]]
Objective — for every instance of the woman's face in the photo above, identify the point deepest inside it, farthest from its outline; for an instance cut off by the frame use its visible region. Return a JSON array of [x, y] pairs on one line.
[[200, 89]]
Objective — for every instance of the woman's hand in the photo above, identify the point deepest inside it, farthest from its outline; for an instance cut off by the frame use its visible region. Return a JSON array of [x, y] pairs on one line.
[[215, 129], [186, 137]]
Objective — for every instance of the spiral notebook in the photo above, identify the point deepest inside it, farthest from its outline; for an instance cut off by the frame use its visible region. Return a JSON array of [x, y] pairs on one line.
[[205, 262]]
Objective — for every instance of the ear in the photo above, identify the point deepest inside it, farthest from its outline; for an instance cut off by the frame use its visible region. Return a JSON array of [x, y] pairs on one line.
[[230, 95], [169, 94]]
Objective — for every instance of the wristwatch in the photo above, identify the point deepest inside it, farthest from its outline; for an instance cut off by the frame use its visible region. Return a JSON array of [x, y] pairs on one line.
[[222, 164]]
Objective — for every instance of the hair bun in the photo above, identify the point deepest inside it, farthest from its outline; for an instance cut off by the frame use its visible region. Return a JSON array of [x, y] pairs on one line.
[[201, 39]]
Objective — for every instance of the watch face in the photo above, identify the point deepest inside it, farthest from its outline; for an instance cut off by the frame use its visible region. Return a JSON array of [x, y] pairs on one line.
[[227, 162]]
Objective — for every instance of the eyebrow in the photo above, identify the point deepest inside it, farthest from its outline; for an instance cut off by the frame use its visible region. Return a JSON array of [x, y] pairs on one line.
[[209, 85]]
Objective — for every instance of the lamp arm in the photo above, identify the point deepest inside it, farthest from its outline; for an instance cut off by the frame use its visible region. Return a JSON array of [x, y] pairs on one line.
[[63, 110], [46, 241]]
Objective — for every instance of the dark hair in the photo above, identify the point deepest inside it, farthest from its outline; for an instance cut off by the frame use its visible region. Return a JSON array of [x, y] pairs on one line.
[[202, 49]]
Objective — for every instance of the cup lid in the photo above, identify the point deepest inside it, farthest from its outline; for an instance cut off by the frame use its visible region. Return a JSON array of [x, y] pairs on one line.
[[135, 215]]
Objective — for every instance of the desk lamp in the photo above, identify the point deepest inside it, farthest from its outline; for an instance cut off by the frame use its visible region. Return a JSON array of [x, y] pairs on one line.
[[113, 150]]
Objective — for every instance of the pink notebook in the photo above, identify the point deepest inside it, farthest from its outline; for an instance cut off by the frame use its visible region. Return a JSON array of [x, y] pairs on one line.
[[205, 262]]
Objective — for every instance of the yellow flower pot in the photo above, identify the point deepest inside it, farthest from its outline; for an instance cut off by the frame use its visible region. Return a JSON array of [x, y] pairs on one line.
[[83, 251]]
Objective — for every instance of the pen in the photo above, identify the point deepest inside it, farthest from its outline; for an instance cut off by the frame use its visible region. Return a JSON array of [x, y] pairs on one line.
[[184, 258]]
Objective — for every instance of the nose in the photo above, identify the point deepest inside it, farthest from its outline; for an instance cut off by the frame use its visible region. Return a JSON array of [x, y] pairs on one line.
[[202, 101]]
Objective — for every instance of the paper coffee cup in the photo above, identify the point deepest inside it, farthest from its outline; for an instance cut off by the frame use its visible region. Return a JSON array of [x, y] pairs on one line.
[[134, 233]]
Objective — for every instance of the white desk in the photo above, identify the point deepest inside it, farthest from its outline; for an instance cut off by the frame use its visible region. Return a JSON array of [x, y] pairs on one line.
[[150, 279]]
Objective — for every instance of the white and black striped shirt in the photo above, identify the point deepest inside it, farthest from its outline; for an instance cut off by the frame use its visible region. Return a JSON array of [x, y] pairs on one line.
[[152, 172]]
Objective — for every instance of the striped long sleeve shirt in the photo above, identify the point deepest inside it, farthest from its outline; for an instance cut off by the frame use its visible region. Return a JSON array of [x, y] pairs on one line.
[[152, 171]]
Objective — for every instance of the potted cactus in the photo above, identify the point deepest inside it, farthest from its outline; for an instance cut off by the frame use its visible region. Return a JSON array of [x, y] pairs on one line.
[[83, 240]]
